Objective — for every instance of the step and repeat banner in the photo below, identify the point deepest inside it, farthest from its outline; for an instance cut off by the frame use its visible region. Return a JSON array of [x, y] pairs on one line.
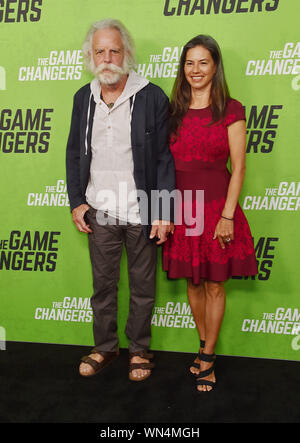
[[45, 271]]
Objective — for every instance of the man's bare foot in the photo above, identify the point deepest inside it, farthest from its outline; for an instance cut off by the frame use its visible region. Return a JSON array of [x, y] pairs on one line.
[[140, 365], [140, 373], [85, 369]]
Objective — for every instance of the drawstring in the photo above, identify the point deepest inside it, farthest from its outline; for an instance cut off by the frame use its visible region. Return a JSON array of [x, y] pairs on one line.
[[132, 99], [87, 124]]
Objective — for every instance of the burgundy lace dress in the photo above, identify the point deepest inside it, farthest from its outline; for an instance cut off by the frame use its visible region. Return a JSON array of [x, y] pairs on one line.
[[201, 153]]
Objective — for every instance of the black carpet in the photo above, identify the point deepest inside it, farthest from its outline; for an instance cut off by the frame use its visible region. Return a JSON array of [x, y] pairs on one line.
[[40, 384]]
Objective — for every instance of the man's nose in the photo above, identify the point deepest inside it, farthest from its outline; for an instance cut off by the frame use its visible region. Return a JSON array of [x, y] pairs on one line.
[[107, 56]]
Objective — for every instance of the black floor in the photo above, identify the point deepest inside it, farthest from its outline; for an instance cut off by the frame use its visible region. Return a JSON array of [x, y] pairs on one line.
[[40, 384]]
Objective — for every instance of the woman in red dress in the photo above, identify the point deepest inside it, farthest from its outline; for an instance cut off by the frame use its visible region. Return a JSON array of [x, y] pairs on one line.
[[207, 127]]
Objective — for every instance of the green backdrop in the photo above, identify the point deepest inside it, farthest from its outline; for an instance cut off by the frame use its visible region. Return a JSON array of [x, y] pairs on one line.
[[45, 272]]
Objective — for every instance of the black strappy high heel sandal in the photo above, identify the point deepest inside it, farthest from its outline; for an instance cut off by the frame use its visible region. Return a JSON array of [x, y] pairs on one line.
[[199, 381], [197, 365]]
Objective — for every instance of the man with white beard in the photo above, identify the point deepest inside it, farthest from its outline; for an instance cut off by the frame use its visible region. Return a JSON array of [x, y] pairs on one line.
[[118, 136]]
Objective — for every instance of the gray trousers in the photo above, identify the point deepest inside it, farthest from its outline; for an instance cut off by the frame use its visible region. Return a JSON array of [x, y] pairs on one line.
[[106, 244]]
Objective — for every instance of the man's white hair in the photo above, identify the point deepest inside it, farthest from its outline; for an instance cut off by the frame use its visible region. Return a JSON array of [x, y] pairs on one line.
[[87, 50]]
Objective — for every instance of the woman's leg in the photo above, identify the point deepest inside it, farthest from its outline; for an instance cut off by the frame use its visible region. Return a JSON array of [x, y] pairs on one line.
[[215, 307], [196, 296]]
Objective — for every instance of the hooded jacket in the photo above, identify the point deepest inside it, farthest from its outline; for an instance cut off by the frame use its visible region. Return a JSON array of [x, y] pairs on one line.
[[152, 159]]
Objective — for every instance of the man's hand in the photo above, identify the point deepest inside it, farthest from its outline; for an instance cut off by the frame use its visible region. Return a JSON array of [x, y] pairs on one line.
[[161, 230], [78, 218]]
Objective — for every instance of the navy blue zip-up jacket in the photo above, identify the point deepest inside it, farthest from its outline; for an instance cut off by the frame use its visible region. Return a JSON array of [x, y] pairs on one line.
[[152, 159]]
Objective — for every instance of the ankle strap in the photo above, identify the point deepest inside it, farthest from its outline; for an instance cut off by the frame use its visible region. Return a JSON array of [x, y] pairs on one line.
[[143, 354], [208, 357]]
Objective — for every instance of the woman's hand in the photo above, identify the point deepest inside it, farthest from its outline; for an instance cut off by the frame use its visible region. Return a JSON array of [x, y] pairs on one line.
[[161, 229], [224, 232]]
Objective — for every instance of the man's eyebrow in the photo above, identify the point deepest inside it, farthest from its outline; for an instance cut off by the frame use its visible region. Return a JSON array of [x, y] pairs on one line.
[[110, 49]]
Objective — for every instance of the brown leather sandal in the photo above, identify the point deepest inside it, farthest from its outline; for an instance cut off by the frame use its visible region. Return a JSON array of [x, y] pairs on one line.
[[146, 365], [108, 357]]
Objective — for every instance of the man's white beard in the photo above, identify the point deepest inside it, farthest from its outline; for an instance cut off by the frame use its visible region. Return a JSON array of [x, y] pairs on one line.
[[112, 77]]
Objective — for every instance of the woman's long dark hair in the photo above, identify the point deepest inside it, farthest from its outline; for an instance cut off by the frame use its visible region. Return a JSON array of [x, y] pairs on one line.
[[181, 93]]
